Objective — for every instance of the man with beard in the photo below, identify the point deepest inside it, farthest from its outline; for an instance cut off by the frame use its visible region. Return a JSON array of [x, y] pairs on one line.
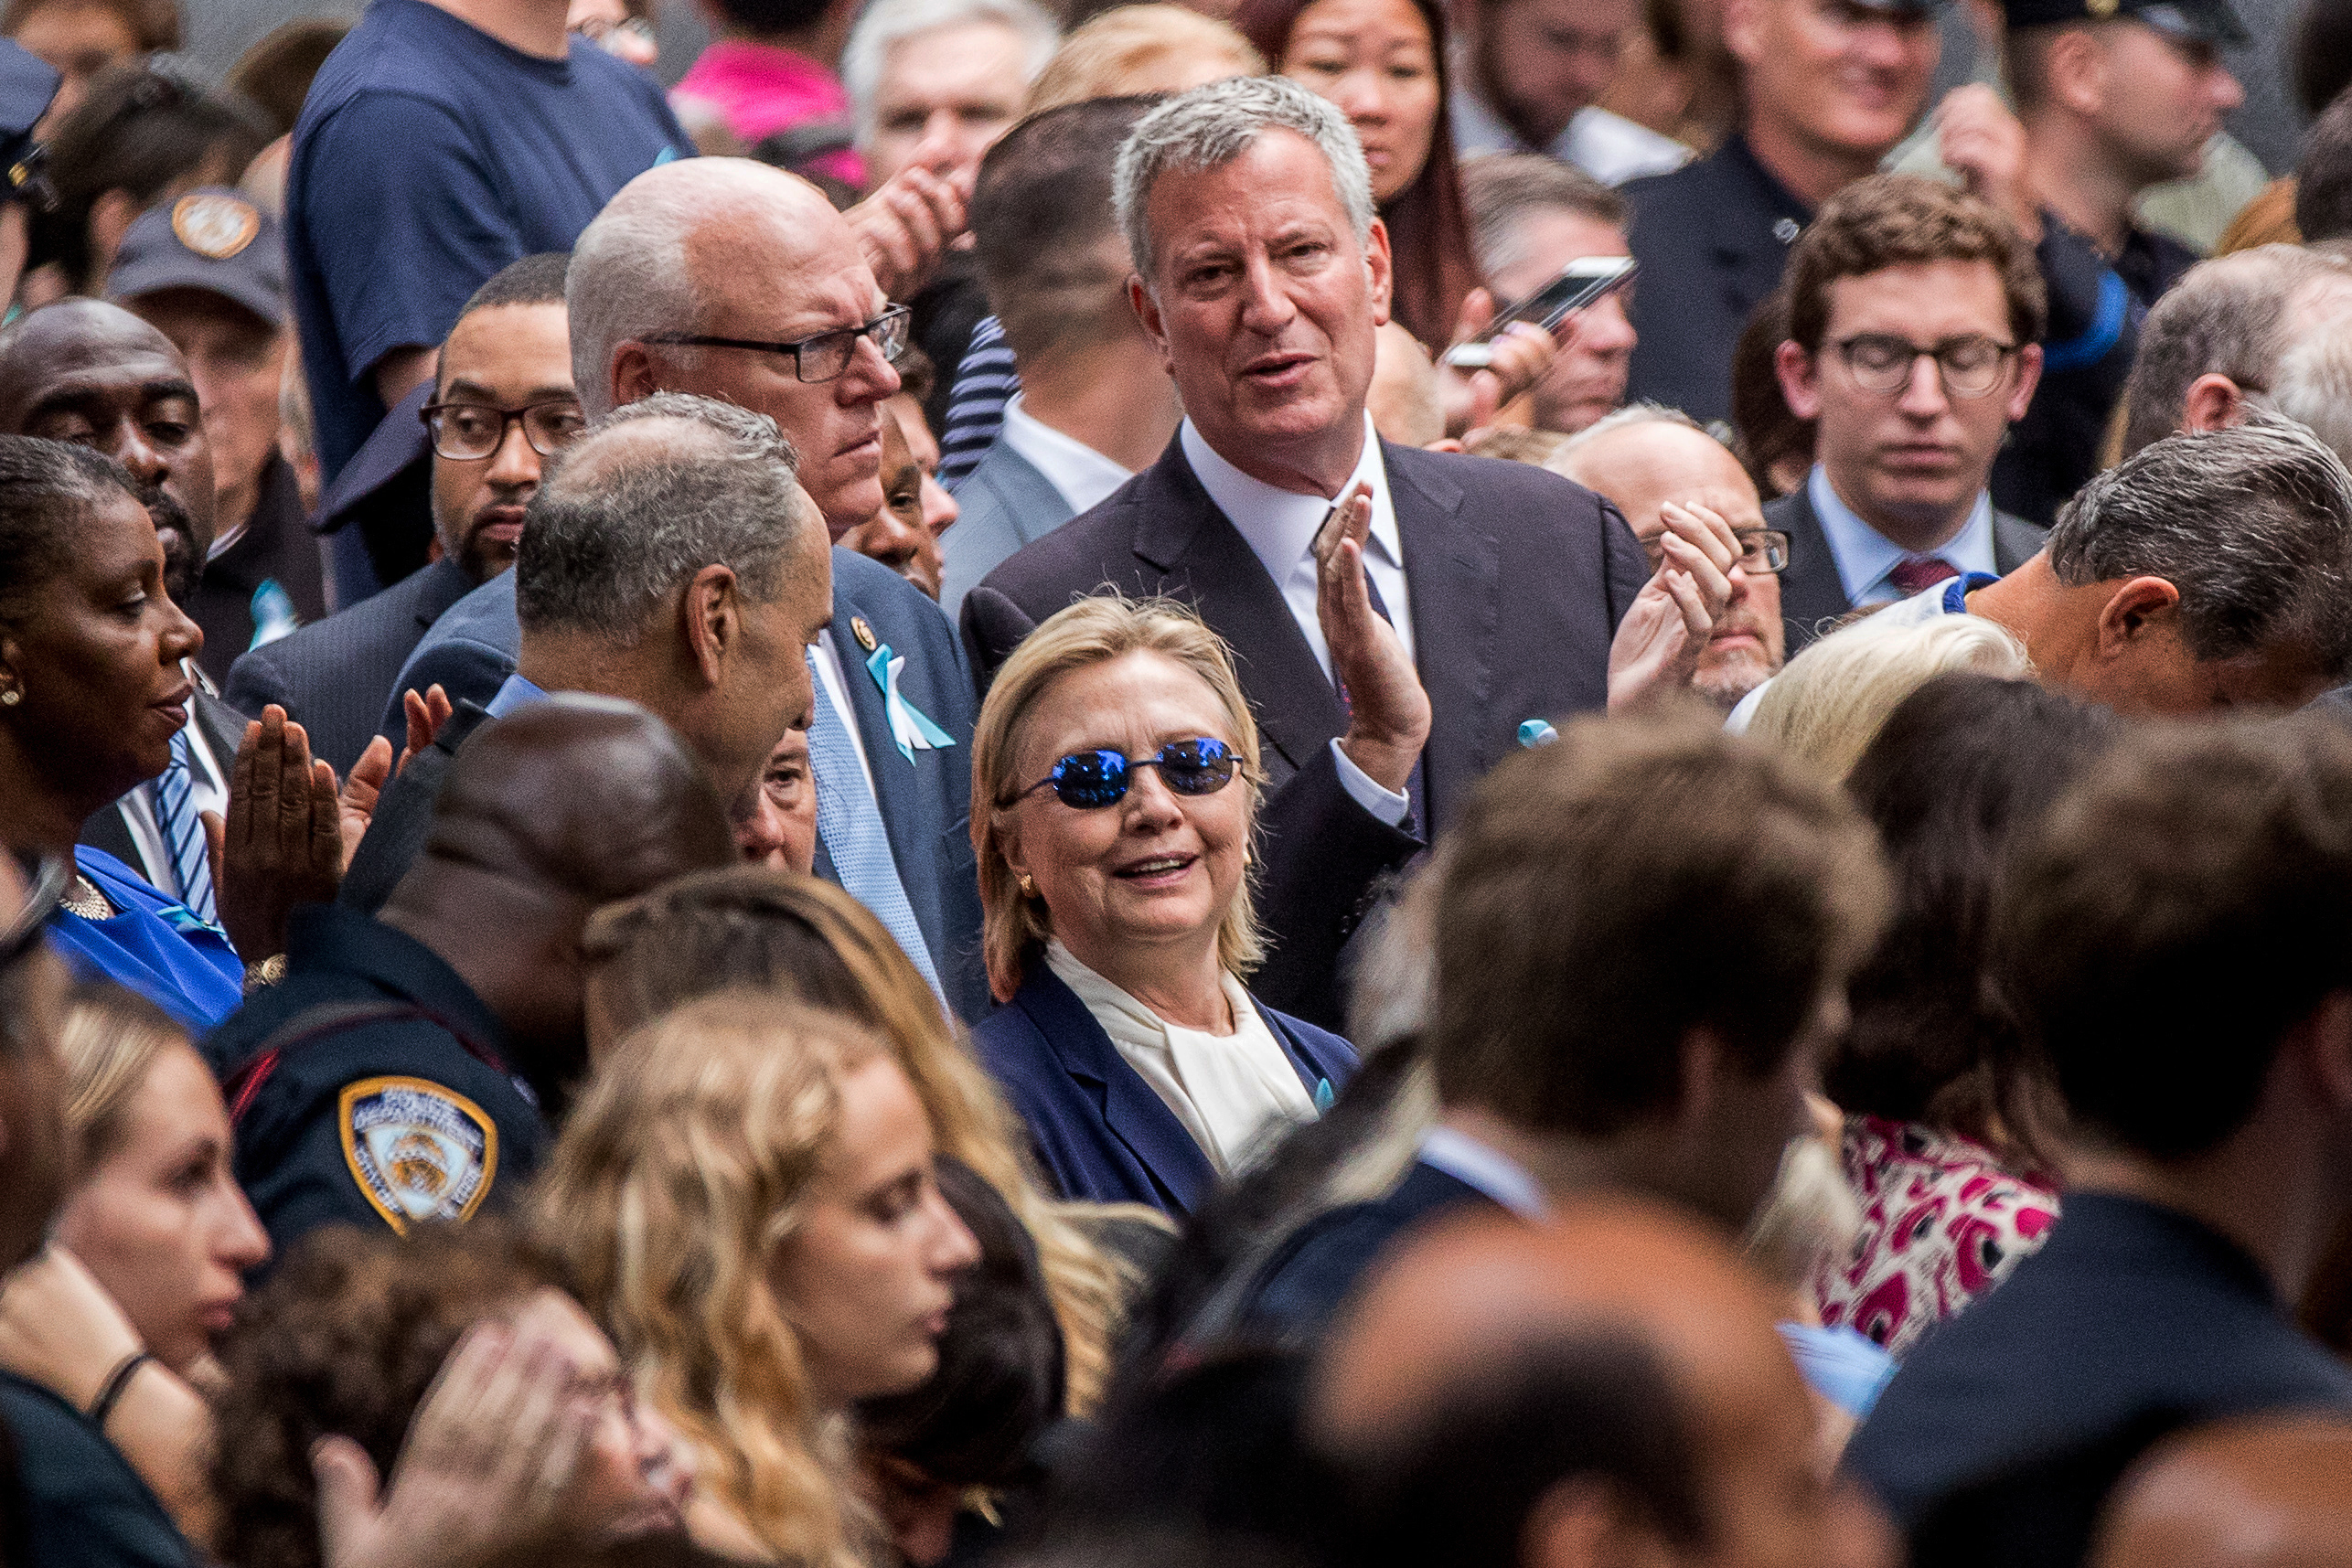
[[94, 375], [1648, 459], [502, 403]]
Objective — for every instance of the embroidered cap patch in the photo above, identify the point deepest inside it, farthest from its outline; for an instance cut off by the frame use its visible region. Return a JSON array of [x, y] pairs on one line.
[[419, 1151]]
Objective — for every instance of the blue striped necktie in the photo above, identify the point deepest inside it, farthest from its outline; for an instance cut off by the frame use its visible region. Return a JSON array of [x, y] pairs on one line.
[[183, 831], [854, 837]]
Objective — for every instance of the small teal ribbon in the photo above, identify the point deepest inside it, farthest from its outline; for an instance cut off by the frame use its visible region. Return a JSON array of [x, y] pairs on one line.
[[1535, 732], [909, 725], [1324, 1098]]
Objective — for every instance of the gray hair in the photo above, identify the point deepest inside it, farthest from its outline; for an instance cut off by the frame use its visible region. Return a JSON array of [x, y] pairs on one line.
[[2252, 524], [1626, 418], [2227, 317], [619, 522], [1502, 190], [888, 23], [2315, 386], [1210, 126]]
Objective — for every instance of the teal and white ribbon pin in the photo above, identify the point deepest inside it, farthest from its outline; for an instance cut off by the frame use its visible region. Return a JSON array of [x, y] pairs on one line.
[[909, 726]]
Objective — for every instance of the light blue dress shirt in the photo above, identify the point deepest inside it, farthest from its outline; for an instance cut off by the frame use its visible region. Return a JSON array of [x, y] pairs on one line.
[[1865, 556]]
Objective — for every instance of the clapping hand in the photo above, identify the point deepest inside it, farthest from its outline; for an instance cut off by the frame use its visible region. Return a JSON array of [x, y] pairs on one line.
[[282, 841], [485, 1471], [1388, 713], [1659, 644], [909, 221]]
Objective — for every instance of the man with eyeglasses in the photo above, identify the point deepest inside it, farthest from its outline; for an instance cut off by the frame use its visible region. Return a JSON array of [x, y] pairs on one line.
[[1652, 460], [1913, 315], [502, 403]]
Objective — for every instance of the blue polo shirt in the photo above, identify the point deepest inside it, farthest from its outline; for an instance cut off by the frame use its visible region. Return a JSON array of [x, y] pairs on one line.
[[428, 155]]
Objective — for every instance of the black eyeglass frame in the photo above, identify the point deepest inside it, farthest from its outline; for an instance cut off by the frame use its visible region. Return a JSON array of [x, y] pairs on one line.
[[2003, 354], [508, 420], [896, 316], [1223, 768]]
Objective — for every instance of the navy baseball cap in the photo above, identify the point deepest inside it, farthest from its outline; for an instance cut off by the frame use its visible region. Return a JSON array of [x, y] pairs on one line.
[[2190, 21], [211, 238]]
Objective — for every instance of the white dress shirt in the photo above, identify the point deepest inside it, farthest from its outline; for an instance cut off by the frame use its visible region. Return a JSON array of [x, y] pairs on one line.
[[1279, 528], [1484, 1167], [1083, 475], [1865, 556], [209, 791], [1608, 146], [1226, 1088]]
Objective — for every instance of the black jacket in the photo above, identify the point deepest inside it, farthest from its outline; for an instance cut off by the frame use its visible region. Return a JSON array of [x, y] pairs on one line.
[[1519, 579]]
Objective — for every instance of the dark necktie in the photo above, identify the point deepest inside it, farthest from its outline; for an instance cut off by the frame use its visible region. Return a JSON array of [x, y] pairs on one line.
[[1917, 576]]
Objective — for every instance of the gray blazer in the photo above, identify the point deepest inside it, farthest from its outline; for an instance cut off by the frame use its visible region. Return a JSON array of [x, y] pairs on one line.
[[1006, 503], [1811, 592]]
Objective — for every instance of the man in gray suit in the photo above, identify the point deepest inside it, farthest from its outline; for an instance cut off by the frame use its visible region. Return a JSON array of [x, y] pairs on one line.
[[1095, 406], [1914, 312], [503, 391]]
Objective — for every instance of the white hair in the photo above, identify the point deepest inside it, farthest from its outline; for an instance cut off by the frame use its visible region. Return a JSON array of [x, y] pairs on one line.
[[889, 23], [630, 276], [1626, 418], [2315, 386], [1829, 704], [1210, 126]]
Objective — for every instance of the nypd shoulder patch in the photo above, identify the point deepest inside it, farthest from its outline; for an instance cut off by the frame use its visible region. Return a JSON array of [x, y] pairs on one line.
[[420, 1152]]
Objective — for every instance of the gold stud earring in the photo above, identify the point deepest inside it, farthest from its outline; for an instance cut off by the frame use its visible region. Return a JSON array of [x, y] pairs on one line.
[[1027, 885], [10, 697]]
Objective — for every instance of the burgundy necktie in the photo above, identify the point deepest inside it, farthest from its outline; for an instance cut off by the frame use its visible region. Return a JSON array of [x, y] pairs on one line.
[[1911, 577]]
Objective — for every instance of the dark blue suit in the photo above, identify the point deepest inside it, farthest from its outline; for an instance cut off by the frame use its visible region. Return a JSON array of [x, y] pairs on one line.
[[2003, 1429], [926, 803], [1101, 1133], [1300, 1288]]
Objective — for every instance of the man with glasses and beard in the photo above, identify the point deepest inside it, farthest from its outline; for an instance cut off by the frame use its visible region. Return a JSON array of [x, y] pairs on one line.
[[1914, 312], [94, 375]]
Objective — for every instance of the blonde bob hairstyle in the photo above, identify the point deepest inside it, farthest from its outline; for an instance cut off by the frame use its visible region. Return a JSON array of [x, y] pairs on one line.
[[1132, 49], [1827, 706], [111, 1039], [684, 1166], [749, 928], [1016, 926]]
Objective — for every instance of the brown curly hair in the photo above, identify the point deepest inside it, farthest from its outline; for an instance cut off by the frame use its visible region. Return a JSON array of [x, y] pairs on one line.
[[1892, 220], [345, 1338]]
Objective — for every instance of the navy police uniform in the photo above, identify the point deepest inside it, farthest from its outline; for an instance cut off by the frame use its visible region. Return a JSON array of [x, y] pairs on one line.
[[2096, 302], [1712, 238], [372, 1086]]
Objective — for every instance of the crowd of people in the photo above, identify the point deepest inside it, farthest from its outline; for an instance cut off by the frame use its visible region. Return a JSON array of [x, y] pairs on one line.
[[1507, 782]]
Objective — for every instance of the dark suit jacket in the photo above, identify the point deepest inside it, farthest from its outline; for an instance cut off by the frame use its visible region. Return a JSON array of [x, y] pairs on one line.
[[1100, 1133], [1713, 239], [1519, 579], [926, 803], [332, 677], [1318, 1269], [224, 732], [1811, 593]]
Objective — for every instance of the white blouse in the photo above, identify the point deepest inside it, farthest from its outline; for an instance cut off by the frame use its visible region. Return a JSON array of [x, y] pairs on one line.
[[1224, 1089]]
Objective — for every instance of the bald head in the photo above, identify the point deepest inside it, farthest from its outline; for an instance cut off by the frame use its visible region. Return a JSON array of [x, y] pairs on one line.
[[586, 799], [729, 248], [2267, 1492], [1641, 1317], [91, 373]]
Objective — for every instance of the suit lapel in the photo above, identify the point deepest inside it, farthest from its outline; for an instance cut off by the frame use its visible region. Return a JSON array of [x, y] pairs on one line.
[[1201, 556], [1028, 498], [1314, 1068], [2014, 542], [1135, 1116], [1810, 590], [895, 781], [1452, 567]]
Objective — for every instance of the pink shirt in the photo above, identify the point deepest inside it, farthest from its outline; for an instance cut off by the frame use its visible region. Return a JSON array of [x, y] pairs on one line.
[[760, 89]]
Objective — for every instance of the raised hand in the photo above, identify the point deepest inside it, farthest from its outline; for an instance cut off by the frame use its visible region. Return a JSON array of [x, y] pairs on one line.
[[282, 844], [1523, 352], [907, 225], [1979, 140], [484, 1474], [427, 712], [1388, 713], [1659, 644]]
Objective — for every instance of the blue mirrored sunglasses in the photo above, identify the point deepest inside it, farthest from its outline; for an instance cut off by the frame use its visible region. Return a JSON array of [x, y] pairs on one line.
[[1090, 780]]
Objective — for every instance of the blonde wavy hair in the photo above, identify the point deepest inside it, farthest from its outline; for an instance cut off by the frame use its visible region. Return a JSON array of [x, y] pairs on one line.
[[1136, 49], [1827, 705], [1015, 926], [111, 1039], [684, 1166], [747, 927]]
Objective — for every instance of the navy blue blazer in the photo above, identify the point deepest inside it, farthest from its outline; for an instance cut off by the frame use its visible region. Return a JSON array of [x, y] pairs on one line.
[[1101, 1133]]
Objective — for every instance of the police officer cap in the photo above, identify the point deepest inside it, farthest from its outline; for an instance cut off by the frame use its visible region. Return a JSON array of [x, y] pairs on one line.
[[211, 238], [2190, 21], [26, 88]]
